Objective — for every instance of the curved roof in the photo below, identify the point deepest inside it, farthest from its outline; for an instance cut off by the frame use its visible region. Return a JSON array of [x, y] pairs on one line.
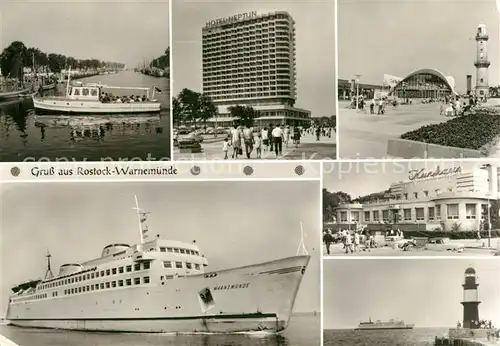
[[450, 81], [470, 270]]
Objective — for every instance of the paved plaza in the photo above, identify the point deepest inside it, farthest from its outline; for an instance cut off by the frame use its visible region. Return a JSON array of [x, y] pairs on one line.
[[364, 135], [472, 248], [308, 149]]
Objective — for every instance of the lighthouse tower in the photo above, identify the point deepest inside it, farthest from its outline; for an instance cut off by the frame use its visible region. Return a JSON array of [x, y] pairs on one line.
[[471, 300], [482, 63]]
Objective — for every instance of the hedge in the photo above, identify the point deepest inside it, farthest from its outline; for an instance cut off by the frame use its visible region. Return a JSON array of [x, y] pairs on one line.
[[471, 131]]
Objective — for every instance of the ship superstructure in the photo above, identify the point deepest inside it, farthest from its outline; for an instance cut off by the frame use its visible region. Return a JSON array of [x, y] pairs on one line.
[[159, 286]]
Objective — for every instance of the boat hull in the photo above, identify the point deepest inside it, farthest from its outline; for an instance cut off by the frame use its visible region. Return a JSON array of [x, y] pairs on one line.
[[54, 106], [14, 94], [253, 298]]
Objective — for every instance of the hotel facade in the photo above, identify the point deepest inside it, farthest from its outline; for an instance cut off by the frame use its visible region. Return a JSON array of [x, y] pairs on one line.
[[249, 60], [438, 199]]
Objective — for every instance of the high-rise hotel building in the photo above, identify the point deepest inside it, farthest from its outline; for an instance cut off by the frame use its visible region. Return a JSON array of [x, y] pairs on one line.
[[249, 60]]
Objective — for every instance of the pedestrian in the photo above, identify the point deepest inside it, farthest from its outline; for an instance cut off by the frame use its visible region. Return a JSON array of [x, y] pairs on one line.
[[270, 136], [287, 135], [328, 240], [296, 137], [348, 243], [248, 138], [235, 142], [225, 147], [258, 145], [265, 139], [356, 241], [277, 135]]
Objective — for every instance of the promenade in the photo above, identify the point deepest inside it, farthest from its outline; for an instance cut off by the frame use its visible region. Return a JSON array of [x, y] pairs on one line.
[[472, 248], [365, 136], [308, 149]]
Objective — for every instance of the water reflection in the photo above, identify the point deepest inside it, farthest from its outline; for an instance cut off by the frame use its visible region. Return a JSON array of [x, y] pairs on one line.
[[27, 136], [242, 340]]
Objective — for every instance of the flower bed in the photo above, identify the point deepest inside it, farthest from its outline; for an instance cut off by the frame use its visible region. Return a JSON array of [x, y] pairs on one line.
[[471, 131]]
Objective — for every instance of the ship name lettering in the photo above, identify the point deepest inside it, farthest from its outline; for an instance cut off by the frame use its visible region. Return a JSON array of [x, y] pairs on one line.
[[40, 172], [231, 287]]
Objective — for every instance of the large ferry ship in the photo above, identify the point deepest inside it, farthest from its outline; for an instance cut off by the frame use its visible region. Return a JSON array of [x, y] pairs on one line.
[[159, 286], [384, 325]]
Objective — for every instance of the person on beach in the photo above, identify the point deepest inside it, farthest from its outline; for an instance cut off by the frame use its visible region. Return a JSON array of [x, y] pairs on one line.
[[225, 147]]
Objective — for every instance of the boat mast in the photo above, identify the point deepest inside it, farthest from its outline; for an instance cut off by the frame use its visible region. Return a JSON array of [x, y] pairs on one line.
[[67, 83], [48, 273], [143, 227], [302, 245]]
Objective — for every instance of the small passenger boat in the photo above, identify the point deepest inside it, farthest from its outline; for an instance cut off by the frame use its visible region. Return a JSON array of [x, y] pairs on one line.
[[88, 99]]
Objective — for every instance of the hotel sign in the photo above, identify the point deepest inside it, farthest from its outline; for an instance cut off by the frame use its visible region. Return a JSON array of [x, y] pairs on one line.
[[418, 174], [232, 19]]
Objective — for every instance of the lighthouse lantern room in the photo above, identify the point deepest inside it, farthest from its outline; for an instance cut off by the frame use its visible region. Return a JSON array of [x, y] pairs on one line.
[[471, 300]]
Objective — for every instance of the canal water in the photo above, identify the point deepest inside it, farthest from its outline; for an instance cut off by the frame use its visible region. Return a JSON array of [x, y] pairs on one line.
[[27, 137]]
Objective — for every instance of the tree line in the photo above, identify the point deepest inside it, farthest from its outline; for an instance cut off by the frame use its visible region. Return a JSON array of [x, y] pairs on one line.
[[162, 62], [194, 107], [17, 56]]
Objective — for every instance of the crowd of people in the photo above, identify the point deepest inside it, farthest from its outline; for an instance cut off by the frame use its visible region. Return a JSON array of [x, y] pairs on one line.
[[244, 140], [362, 240], [110, 98]]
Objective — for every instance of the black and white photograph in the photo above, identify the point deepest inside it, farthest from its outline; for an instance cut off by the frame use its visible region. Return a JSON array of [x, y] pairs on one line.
[[254, 80], [161, 263], [411, 208], [418, 79], [428, 302], [85, 81]]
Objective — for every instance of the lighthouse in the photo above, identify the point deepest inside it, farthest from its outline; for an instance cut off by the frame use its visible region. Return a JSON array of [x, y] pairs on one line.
[[471, 300], [482, 63]]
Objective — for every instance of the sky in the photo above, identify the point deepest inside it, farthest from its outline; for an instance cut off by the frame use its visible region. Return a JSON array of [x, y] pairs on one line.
[[234, 224], [111, 31], [362, 178], [424, 292], [315, 45], [397, 37]]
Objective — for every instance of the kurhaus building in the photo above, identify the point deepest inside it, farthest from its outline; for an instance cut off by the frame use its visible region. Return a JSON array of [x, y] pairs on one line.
[[433, 199], [249, 60]]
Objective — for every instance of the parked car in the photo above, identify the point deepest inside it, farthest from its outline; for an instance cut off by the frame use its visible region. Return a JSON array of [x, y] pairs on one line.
[[444, 244], [193, 135], [395, 240]]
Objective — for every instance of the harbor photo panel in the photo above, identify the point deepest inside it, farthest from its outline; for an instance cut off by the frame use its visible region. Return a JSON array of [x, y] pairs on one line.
[[85, 81]]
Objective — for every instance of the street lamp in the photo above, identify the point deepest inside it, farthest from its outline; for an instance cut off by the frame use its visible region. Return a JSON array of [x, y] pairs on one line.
[[487, 166], [357, 91]]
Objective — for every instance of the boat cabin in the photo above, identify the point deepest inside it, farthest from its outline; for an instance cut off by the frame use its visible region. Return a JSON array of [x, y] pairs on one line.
[[84, 92]]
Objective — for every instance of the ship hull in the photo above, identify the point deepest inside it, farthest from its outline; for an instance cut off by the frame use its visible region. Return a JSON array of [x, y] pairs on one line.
[[253, 298], [52, 106], [386, 328]]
